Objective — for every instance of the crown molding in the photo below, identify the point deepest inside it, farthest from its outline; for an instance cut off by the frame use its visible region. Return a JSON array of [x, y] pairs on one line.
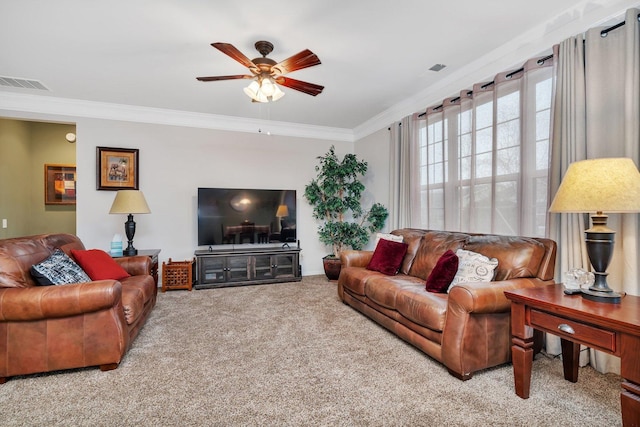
[[73, 108]]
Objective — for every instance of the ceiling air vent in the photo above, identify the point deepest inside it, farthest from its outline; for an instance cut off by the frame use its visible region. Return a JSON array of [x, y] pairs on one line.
[[437, 67], [21, 83]]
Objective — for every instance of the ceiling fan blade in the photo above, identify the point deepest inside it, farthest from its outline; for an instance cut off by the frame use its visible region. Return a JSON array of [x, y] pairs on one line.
[[301, 60], [306, 87], [216, 78], [230, 50]]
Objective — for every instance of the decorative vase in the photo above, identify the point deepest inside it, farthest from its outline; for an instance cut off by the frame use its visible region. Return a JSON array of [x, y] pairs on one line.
[[332, 267]]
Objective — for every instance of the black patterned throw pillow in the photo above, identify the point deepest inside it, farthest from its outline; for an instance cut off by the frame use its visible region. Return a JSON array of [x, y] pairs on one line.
[[58, 269]]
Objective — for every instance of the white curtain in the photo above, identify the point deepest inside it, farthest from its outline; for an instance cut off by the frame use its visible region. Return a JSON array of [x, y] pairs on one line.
[[401, 172], [484, 156], [597, 114]]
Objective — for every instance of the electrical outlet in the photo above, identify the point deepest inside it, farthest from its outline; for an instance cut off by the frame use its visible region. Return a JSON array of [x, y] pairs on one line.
[[4, 223]]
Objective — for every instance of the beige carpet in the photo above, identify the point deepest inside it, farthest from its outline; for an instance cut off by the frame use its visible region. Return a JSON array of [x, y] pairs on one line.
[[293, 354]]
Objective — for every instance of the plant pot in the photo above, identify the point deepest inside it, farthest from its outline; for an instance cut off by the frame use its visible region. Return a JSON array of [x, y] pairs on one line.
[[332, 267]]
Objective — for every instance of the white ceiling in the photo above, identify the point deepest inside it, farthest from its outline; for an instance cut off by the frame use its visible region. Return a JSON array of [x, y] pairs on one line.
[[375, 54]]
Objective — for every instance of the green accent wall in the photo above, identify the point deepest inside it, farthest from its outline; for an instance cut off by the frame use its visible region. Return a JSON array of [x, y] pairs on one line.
[[25, 147]]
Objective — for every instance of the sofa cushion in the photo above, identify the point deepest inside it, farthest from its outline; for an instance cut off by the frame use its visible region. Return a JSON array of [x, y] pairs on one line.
[[427, 309], [443, 273], [355, 278], [99, 265], [473, 267], [383, 289], [412, 237], [517, 256], [58, 269], [387, 257], [432, 246]]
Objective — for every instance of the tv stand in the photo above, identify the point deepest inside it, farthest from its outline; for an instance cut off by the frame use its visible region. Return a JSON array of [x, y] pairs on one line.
[[217, 268]]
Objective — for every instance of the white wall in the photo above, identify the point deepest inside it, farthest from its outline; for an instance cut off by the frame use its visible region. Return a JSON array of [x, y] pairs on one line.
[[374, 148], [174, 162]]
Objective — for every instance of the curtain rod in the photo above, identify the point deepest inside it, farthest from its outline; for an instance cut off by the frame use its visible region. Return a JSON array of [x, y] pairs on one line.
[[486, 85], [604, 32]]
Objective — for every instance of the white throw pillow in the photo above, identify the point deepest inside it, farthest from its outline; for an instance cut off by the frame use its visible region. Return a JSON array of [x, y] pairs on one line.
[[387, 236], [473, 267]]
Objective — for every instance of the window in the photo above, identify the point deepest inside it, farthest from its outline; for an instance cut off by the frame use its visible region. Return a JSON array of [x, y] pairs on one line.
[[484, 157]]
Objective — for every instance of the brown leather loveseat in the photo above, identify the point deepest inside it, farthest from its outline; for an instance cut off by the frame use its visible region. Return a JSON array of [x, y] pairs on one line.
[[49, 328], [467, 329]]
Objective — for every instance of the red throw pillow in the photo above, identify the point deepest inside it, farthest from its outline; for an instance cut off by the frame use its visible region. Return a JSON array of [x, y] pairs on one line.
[[387, 257], [443, 273], [99, 265]]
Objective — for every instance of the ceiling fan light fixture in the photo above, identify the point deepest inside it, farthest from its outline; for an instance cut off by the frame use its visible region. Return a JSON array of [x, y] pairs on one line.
[[267, 87], [253, 92], [277, 93], [263, 90]]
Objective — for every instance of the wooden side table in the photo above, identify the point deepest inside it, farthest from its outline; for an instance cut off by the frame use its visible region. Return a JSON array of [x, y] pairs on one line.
[[153, 254], [611, 328]]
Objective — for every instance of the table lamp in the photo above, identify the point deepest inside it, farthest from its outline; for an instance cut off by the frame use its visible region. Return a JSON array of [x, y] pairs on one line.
[[129, 202], [282, 212], [599, 185]]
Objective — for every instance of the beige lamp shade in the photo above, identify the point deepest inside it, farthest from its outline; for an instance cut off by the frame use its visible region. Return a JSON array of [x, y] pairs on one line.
[[282, 211], [129, 202], [599, 185]]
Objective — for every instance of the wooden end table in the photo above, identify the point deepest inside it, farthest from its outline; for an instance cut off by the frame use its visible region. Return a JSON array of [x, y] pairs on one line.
[[611, 328]]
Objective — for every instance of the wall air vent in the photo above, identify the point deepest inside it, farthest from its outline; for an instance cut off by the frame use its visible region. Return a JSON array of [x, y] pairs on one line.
[[21, 83]]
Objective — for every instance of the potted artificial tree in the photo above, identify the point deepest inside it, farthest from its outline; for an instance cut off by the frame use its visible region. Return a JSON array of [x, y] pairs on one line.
[[335, 195]]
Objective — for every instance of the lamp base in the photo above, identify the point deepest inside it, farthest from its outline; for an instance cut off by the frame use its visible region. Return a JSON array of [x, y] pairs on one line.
[[130, 231], [602, 296], [129, 252]]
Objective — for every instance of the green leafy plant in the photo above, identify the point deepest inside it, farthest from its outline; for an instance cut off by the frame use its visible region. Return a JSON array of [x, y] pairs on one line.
[[335, 195]]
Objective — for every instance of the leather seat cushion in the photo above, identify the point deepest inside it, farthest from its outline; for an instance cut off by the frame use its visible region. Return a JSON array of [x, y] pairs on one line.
[[425, 308], [383, 289], [355, 278]]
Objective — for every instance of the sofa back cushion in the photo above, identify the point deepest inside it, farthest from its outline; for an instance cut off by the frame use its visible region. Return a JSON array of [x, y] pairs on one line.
[[412, 237], [18, 254], [517, 256], [432, 246]]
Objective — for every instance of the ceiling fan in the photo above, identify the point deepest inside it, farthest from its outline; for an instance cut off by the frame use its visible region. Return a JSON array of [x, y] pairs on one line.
[[267, 74]]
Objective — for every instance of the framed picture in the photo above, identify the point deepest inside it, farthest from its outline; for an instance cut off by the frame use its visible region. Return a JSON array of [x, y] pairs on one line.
[[117, 168], [59, 184]]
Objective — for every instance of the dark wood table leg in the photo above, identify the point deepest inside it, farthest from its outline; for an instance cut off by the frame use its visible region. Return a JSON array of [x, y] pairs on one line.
[[630, 372], [570, 359], [521, 350]]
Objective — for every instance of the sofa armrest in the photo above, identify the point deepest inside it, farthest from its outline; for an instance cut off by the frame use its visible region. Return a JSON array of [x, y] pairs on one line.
[[138, 265], [45, 302], [476, 333], [355, 258], [488, 297]]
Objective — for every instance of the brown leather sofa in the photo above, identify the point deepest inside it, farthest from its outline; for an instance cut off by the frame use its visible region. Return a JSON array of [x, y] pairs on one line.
[[467, 329], [50, 328]]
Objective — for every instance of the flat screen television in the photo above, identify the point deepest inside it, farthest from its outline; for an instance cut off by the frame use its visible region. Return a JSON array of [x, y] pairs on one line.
[[233, 216]]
